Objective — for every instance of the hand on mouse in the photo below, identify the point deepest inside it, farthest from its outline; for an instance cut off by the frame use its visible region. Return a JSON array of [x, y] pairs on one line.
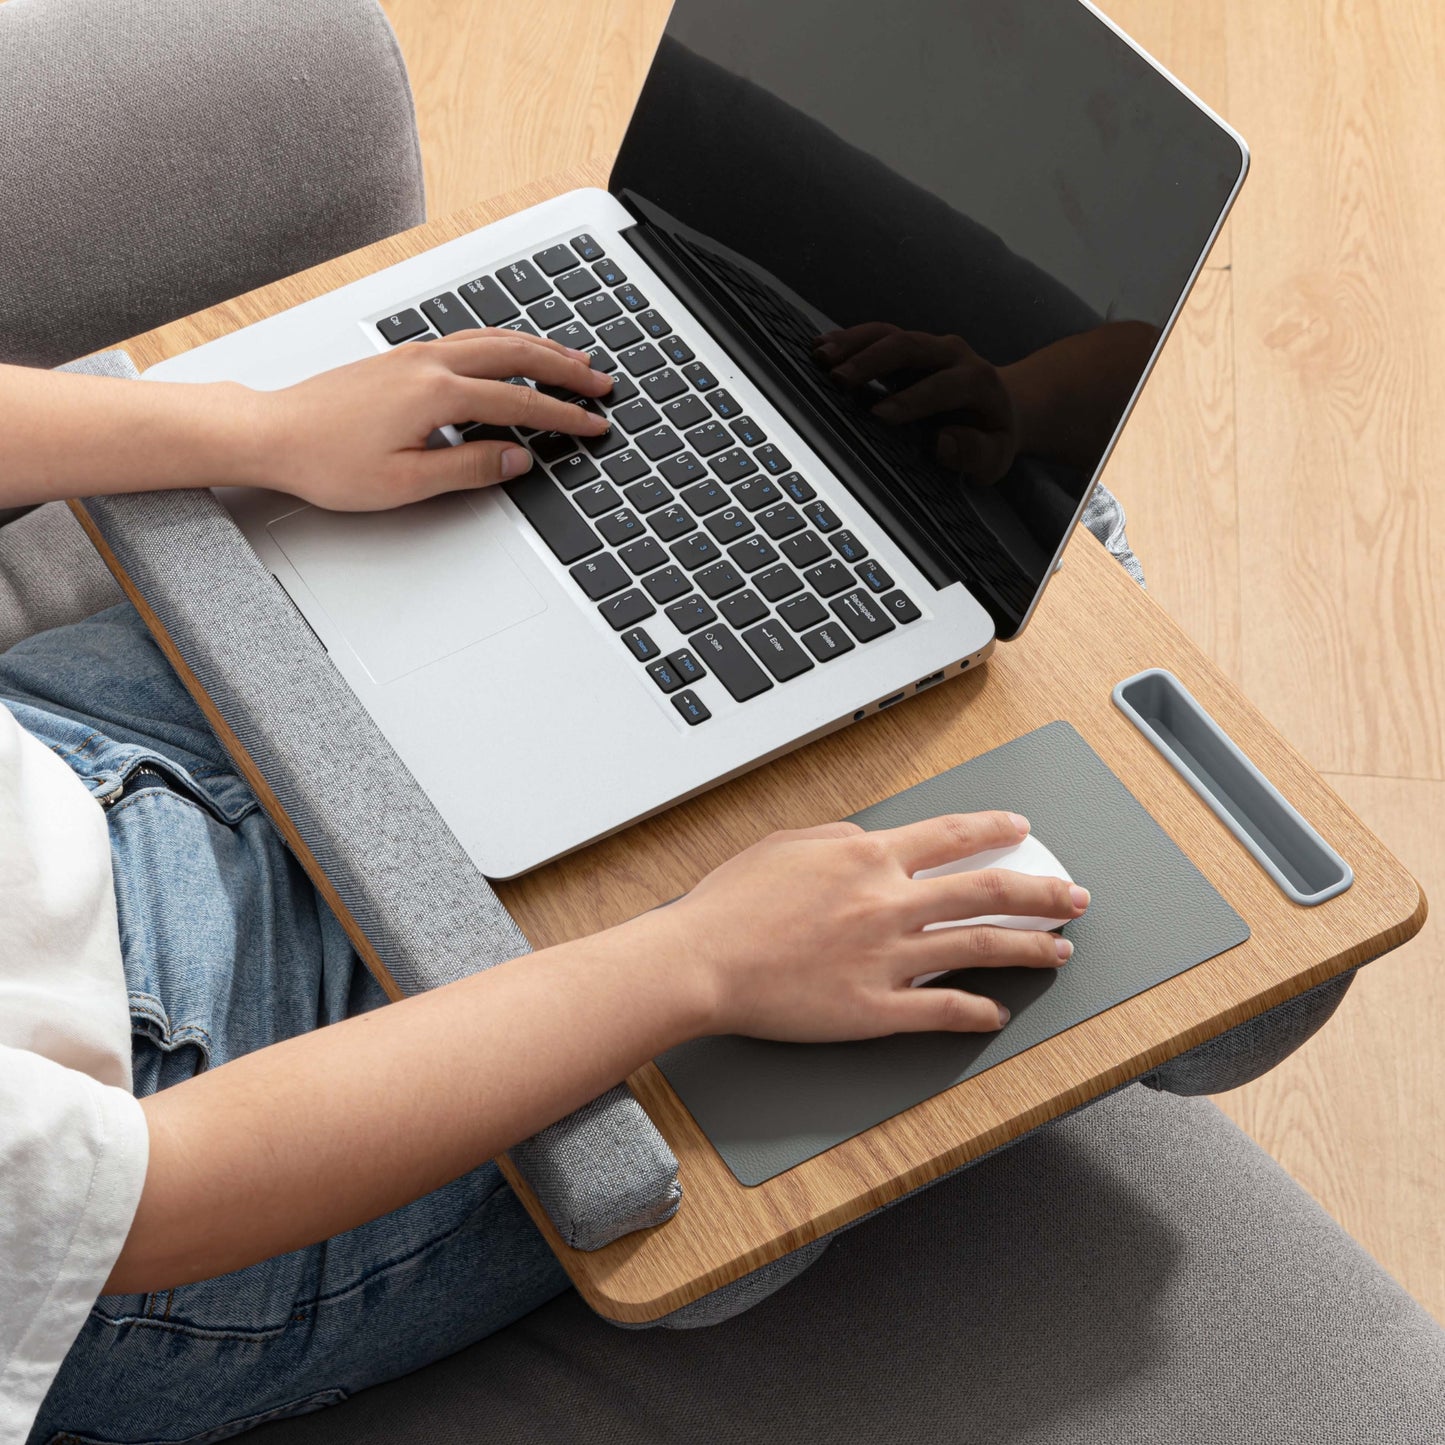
[[354, 439], [815, 935]]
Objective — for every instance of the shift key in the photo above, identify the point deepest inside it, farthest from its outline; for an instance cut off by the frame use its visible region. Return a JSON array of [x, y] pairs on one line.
[[560, 525], [728, 660]]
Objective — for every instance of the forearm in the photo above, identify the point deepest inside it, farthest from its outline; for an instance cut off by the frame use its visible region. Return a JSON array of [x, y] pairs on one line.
[[311, 1137], [68, 435]]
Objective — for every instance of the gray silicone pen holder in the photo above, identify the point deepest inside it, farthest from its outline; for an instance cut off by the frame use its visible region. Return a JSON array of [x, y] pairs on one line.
[[1304, 866]]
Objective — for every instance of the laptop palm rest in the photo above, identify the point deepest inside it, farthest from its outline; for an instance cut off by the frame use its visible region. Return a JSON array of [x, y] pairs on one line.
[[410, 587]]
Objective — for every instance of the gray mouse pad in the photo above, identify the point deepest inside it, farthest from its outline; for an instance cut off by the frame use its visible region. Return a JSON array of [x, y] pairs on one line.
[[768, 1106]]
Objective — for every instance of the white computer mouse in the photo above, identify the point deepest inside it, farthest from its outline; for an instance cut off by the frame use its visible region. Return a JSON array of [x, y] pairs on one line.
[[1029, 856]]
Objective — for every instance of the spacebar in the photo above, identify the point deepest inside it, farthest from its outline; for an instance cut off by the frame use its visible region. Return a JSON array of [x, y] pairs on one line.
[[729, 661], [560, 524]]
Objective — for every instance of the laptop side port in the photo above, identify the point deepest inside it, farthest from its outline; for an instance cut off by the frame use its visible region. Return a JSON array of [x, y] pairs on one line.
[[928, 681], [889, 701]]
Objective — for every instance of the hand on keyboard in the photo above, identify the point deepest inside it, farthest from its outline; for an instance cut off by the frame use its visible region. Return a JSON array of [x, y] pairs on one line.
[[355, 438]]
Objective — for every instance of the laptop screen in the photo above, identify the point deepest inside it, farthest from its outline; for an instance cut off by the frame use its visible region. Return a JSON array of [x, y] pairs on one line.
[[952, 233]]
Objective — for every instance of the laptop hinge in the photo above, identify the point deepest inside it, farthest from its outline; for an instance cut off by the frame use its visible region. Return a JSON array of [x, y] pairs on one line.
[[930, 559]]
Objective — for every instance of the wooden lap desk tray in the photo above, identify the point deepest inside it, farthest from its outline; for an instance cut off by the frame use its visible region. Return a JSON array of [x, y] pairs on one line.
[[1094, 628]]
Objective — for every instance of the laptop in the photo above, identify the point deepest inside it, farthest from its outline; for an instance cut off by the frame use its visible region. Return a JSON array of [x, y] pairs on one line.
[[878, 286]]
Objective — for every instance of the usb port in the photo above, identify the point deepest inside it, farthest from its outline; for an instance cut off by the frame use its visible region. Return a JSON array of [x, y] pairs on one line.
[[889, 701], [928, 681]]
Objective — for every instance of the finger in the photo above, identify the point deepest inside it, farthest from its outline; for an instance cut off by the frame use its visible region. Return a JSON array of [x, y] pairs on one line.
[[494, 355], [464, 468], [935, 841], [503, 405], [973, 387], [996, 890], [893, 353], [985, 456], [940, 1010], [835, 346], [984, 946], [506, 333]]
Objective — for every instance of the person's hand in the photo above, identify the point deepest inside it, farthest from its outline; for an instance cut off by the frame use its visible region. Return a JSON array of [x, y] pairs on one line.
[[815, 935], [984, 439], [355, 438]]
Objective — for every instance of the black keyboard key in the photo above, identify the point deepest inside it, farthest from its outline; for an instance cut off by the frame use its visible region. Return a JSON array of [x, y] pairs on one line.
[[691, 706], [729, 524], [600, 360], [780, 654], [665, 584], [830, 577], [863, 615], [642, 556], [664, 385], [623, 389], [573, 334], [688, 667], [556, 520], [600, 577], [777, 582], [781, 521], [759, 492], [524, 281], [550, 311], [556, 258], [671, 522], [653, 323], [753, 552], [730, 662], [723, 404], [803, 551], [612, 440], [609, 273], [700, 376], [574, 470], [665, 675], [522, 325], [619, 333], [709, 438], [848, 547], [482, 432], [619, 526], [797, 488], [719, 579], [635, 416], [448, 314], [640, 644], [596, 498], [677, 350], [577, 284], [750, 434], [647, 494], [900, 607], [660, 442], [594, 310], [828, 642], [552, 446], [802, 612], [489, 301], [695, 550], [586, 247], [631, 298], [876, 578], [631, 607], [691, 612], [685, 412], [770, 459], [402, 327], [640, 359], [682, 470], [705, 497], [744, 609], [821, 515], [626, 466], [734, 465], [425, 336]]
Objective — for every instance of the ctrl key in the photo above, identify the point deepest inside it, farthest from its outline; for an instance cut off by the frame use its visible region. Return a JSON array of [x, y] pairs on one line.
[[691, 706]]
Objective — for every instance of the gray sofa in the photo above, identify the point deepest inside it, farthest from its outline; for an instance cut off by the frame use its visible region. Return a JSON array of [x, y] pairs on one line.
[[1138, 1272]]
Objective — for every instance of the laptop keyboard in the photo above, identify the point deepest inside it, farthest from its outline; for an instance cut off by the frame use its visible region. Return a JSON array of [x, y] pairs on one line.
[[685, 507]]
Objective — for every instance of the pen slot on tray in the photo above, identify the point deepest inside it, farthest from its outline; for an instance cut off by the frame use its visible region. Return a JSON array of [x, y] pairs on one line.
[[1304, 866]]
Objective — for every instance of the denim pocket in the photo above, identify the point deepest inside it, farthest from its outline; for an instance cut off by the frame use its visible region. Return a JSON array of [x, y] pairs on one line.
[[318, 1401]]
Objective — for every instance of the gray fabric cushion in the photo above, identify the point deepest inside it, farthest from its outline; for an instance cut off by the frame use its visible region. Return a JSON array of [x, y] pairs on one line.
[[49, 574], [1138, 1273], [159, 156]]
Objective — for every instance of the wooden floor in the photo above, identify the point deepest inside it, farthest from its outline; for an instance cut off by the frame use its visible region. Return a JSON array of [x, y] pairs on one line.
[[1284, 475]]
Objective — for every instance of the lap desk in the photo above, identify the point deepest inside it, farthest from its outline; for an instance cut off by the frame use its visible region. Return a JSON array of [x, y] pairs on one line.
[[774, 1152]]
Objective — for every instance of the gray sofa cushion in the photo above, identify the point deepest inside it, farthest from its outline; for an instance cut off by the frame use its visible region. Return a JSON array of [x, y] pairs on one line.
[[49, 574]]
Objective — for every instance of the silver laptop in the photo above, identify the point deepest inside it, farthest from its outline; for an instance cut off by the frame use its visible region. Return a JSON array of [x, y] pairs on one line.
[[878, 286]]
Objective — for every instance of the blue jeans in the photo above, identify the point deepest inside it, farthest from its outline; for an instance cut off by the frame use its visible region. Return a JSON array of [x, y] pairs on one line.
[[228, 948]]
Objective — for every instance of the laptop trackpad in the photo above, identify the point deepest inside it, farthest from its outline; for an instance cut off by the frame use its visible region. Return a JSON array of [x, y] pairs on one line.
[[409, 587]]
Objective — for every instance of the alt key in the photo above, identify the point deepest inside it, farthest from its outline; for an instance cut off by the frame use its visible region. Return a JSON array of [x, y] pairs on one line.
[[691, 706]]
